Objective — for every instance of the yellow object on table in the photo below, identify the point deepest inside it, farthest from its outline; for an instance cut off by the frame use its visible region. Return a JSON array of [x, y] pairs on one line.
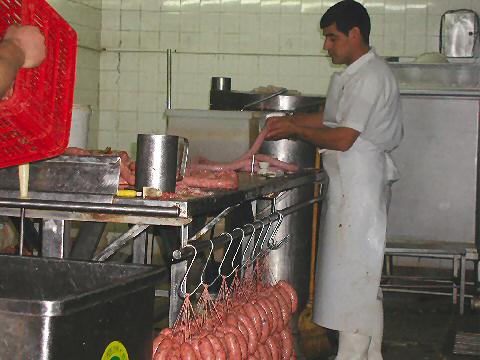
[[127, 193]]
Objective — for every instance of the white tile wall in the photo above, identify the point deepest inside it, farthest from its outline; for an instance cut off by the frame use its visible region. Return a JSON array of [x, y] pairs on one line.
[[85, 16], [256, 42]]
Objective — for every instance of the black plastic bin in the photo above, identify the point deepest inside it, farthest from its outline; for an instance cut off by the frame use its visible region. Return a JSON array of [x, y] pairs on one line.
[[62, 309]]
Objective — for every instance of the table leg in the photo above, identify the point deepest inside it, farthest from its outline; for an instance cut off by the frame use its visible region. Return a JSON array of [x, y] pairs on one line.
[[55, 238], [456, 263], [140, 248], [177, 273], [462, 283]]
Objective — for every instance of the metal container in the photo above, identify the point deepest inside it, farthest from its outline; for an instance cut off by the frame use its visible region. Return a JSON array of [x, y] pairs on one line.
[[221, 84], [67, 178], [459, 33], [58, 309], [157, 162], [292, 261]]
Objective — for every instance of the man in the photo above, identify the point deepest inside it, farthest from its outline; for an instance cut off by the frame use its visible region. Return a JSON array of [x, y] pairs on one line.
[[22, 46], [360, 124]]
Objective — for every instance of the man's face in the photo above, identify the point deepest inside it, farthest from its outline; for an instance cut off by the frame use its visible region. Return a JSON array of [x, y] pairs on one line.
[[338, 45]]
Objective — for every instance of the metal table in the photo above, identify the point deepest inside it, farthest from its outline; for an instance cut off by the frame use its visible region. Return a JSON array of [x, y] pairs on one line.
[[56, 215]]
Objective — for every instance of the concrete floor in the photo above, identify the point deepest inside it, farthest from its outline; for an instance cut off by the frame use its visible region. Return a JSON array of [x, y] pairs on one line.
[[421, 327], [424, 327]]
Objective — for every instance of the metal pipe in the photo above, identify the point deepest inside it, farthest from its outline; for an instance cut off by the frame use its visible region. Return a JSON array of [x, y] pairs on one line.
[[120, 242], [88, 207], [169, 78], [421, 292], [22, 230], [186, 252]]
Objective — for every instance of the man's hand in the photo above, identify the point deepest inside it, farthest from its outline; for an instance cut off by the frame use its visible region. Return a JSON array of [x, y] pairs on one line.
[[30, 41], [280, 127]]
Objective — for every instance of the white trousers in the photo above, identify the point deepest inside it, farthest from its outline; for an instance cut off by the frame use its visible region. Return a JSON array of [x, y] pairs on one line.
[[362, 347]]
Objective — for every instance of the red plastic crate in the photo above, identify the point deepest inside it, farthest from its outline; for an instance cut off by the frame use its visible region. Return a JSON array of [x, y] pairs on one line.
[[35, 121]]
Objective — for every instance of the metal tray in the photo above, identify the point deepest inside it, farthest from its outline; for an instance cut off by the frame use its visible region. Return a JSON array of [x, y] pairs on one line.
[[64, 178]]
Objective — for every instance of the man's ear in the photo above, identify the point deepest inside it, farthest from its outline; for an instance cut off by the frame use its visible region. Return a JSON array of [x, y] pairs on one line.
[[355, 33]]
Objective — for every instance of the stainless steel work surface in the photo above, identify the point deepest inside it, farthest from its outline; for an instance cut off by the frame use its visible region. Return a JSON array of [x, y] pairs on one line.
[[251, 187], [160, 212]]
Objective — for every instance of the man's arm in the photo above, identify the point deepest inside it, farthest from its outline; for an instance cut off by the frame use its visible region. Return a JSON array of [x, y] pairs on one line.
[[341, 138], [22, 46]]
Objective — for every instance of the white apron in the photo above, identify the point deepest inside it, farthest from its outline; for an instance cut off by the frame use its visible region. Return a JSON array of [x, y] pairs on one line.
[[352, 237]]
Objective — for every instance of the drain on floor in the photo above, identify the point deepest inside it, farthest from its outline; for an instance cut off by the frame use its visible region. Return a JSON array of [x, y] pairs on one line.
[[467, 344]]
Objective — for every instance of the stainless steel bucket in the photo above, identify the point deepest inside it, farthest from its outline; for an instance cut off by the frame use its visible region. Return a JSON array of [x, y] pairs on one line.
[[158, 164]]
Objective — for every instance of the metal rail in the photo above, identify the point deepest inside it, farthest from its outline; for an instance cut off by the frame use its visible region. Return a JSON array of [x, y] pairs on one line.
[[88, 207], [247, 229]]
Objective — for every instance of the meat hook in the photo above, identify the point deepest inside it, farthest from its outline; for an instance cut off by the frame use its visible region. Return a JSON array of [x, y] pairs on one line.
[[252, 254], [183, 283], [271, 244], [239, 246], [226, 252], [202, 275], [261, 240], [247, 246]]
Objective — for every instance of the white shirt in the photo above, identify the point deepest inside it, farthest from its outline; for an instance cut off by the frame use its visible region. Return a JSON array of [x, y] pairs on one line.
[[365, 97]]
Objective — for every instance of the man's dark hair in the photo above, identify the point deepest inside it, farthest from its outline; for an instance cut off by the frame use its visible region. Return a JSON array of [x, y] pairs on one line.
[[346, 15]]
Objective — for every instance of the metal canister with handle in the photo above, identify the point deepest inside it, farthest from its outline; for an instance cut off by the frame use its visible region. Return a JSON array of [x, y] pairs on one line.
[[157, 162]]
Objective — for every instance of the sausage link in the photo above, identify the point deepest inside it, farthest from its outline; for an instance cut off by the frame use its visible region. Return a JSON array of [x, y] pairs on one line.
[[286, 300], [252, 334], [271, 319], [165, 350], [267, 321], [166, 344], [233, 347], [263, 352], [218, 347], [252, 313], [232, 320], [287, 344], [187, 352], [166, 332], [278, 311], [240, 338], [291, 292], [272, 345], [284, 307], [243, 330], [156, 343], [206, 349], [269, 307], [286, 296], [196, 348]]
